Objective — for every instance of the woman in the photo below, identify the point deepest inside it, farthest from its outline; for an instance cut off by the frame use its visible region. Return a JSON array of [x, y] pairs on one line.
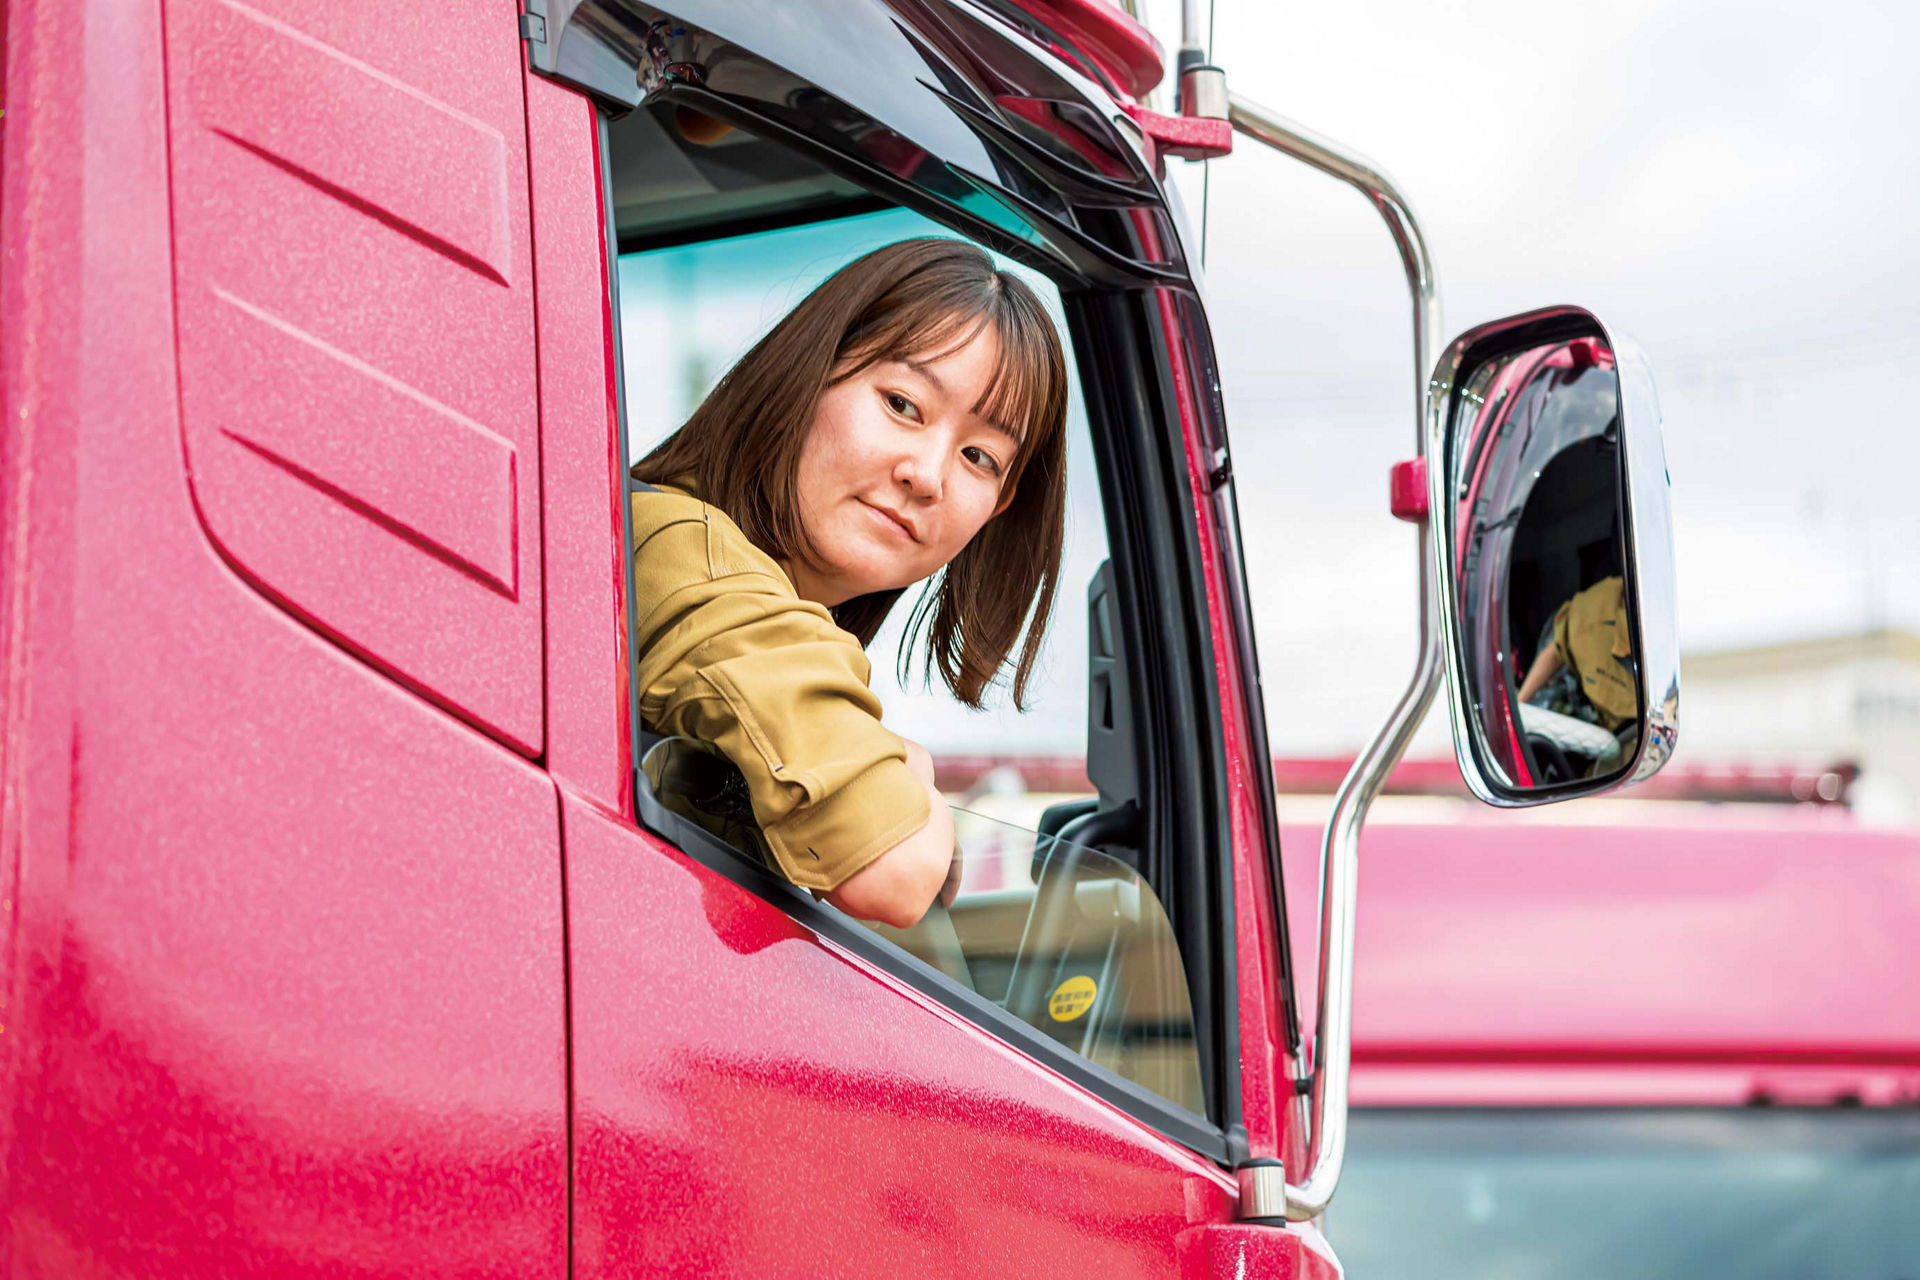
[[1593, 639], [906, 420]]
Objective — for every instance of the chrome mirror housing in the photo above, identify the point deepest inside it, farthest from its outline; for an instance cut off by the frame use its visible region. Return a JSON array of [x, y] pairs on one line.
[[1553, 548]]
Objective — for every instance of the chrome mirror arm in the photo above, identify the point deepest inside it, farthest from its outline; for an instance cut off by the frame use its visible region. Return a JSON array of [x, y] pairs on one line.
[[1264, 1190]]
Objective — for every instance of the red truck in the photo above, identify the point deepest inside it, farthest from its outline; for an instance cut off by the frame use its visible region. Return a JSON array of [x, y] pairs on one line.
[[1668, 1049], [347, 929]]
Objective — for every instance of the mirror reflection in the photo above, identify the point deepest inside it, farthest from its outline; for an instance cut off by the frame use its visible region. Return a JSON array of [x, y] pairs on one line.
[[1546, 623]]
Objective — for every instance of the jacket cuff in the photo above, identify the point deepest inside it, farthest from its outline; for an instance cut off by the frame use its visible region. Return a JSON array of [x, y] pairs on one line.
[[822, 844]]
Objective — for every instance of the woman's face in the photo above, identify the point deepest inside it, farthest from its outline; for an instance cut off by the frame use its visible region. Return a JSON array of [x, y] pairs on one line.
[[897, 473]]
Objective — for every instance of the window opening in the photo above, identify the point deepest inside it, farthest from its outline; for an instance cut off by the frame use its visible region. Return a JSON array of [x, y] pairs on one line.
[[1069, 939]]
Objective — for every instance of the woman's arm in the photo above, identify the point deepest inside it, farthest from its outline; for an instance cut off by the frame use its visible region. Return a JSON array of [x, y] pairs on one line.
[[726, 653], [1545, 665], [897, 887]]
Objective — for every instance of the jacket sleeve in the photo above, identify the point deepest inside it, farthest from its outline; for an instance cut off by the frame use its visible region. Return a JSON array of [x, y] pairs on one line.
[[727, 653], [1561, 639]]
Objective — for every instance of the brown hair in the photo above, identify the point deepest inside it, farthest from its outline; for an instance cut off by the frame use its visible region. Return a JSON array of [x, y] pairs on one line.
[[898, 302]]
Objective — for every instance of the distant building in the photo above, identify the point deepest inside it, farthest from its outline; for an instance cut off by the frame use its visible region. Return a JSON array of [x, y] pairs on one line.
[[1813, 702]]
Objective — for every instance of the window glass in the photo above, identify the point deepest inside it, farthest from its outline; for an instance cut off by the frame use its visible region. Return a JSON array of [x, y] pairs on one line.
[[1667, 1194], [1068, 939], [1072, 942]]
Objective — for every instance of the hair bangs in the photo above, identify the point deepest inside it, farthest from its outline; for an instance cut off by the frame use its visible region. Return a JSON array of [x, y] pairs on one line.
[[916, 328], [1026, 393]]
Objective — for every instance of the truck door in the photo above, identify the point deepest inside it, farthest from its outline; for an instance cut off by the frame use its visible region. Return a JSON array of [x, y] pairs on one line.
[[760, 1084]]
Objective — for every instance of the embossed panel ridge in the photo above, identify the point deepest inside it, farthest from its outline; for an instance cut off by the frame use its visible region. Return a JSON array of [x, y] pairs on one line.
[[352, 246]]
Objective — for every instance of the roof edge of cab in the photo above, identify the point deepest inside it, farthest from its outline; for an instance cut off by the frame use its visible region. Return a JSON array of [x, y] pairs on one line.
[[948, 107]]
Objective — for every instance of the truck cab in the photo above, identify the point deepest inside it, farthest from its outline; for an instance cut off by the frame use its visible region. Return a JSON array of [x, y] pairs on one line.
[[351, 924]]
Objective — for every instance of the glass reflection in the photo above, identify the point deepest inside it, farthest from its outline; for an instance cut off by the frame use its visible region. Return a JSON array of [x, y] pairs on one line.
[[1070, 940], [1073, 942], [1547, 626]]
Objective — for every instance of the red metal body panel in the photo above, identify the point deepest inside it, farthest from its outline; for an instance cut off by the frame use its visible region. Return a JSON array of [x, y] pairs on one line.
[[585, 564], [1116, 42], [1241, 1250], [286, 985], [750, 1100], [355, 331]]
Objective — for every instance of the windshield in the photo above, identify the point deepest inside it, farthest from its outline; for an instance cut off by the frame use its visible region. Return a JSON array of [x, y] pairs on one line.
[[1670, 1194]]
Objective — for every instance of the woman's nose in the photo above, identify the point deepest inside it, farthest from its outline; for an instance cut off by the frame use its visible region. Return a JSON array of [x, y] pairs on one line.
[[921, 472]]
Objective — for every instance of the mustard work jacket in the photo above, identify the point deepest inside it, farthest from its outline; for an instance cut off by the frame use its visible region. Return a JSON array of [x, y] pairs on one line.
[[727, 653], [1592, 633]]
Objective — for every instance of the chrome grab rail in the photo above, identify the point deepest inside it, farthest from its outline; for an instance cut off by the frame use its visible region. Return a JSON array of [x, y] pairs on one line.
[[1264, 1190]]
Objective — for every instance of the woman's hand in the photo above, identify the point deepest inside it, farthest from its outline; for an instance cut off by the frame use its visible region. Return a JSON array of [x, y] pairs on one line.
[[1546, 665]]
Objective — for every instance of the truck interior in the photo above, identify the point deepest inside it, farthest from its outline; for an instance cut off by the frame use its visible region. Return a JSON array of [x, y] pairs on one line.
[[1090, 932], [677, 175]]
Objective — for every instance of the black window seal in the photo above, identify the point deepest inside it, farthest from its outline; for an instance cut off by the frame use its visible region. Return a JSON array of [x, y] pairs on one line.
[[1203, 376]]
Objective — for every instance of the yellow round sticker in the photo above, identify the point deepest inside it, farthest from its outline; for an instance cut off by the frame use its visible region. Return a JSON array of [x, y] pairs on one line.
[[1071, 999]]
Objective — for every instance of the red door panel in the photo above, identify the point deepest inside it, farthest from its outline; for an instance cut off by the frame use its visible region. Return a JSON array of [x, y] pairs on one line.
[[356, 330], [749, 1100]]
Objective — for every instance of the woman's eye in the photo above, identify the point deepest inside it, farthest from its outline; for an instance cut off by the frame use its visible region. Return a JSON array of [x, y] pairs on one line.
[[981, 458], [903, 406]]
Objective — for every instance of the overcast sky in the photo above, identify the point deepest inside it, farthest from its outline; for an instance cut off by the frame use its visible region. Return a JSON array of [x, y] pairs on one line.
[[1732, 184], [1729, 183]]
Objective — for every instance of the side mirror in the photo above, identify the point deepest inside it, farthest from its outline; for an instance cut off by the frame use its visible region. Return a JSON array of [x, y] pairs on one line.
[[1554, 554]]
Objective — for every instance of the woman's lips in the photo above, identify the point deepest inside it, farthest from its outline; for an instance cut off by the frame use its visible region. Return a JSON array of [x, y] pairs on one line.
[[891, 521]]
